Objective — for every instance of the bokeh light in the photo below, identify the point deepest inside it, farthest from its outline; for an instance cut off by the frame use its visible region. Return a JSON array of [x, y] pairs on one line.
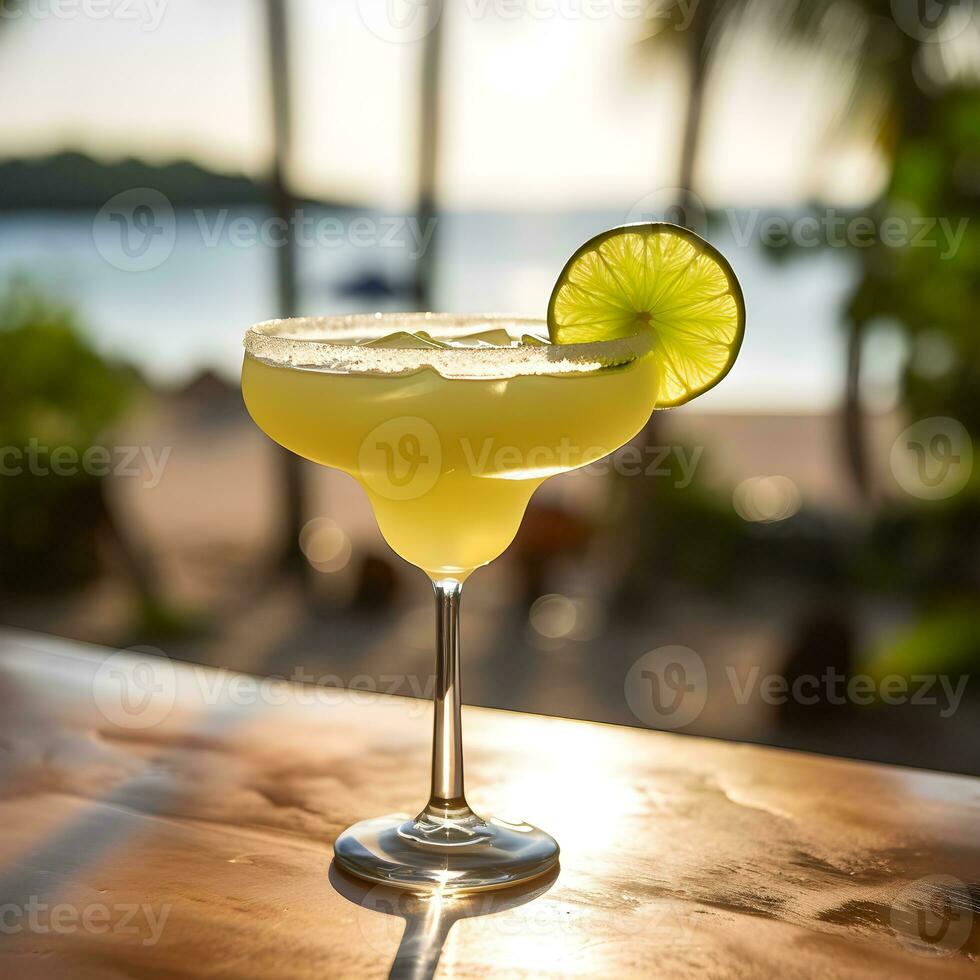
[[766, 499], [325, 544], [557, 617]]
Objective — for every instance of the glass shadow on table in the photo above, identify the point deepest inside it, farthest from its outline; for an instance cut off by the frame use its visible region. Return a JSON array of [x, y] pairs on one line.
[[427, 919]]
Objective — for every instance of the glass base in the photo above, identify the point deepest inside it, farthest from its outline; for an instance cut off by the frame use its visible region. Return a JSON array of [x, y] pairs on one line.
[[451, 850]]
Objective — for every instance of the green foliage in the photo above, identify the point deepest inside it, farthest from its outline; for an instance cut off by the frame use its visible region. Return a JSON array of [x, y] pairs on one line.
[[700, 533], [942, 641], [56, 388], [927, 550], [931, 291], [56, 392]]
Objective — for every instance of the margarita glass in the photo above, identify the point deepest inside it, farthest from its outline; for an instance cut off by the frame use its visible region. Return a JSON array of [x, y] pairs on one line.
[[449, 423]]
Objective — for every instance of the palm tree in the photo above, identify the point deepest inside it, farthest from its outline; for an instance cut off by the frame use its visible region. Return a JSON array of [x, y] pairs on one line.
[[696, 30], [283, 206], [696, 55], [911, 121], [711, 21], [428, 159]]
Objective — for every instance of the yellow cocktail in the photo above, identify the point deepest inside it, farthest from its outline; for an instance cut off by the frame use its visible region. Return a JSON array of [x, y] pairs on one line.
[[450, 424], [449, 463]]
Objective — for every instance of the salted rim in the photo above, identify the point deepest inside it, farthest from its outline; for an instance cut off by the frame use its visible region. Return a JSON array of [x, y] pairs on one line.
[[327, 343]]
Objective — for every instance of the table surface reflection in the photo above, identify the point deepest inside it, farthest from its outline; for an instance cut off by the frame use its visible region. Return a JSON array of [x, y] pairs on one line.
[[164, 820]]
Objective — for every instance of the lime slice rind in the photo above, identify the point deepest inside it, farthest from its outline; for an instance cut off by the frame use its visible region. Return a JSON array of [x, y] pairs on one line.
[[661, 277]]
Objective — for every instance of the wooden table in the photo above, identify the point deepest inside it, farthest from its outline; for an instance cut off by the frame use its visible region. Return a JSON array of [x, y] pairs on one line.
[[163, 820]]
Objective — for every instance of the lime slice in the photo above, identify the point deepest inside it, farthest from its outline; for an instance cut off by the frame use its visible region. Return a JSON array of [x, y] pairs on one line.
[[658, 277]]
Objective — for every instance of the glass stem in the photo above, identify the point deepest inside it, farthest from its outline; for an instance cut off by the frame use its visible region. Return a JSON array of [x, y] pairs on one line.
[[447, 800]]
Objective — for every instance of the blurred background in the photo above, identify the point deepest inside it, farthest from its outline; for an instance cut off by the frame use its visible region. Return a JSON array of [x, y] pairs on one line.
[[804, 540]]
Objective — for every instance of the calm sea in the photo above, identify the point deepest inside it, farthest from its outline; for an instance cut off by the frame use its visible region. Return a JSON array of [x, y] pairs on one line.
[[173, 294]]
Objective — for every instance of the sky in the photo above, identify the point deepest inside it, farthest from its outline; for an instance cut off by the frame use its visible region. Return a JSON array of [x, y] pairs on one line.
[[546, 106], [542, 105]]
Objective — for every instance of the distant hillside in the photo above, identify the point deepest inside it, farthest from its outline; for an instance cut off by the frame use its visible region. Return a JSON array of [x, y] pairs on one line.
[[73, 180]]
